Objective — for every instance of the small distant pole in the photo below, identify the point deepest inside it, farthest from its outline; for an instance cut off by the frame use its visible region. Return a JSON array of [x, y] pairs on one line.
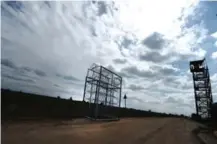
[[125, 99]]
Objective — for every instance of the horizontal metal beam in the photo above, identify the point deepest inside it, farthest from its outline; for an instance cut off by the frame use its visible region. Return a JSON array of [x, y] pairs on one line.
[[112, 72], [113, 86]]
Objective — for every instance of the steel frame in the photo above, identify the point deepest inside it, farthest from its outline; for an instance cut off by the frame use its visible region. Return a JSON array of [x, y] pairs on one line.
[[202, 88], [102, 90]]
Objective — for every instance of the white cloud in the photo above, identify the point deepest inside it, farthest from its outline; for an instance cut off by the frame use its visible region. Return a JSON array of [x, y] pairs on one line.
[[214, 35], [67, 37], [213, 79], [214, 55]]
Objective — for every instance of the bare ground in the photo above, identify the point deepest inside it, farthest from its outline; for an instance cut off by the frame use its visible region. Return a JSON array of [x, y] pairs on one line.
[[80, 131]]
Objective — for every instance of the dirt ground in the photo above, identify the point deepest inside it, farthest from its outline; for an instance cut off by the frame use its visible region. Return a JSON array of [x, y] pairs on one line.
[[80, 131]]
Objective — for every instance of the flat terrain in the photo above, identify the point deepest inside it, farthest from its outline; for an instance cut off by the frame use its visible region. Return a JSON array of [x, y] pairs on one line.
[[80, 131]]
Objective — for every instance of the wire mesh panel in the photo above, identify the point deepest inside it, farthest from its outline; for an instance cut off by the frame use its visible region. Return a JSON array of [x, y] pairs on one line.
[[102, 90], [202, 88]]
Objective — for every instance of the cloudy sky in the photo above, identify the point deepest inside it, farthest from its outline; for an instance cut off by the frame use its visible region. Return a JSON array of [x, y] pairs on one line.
[[47, 47]]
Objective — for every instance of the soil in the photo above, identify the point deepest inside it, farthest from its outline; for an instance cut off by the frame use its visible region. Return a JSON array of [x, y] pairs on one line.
[[81, 131]]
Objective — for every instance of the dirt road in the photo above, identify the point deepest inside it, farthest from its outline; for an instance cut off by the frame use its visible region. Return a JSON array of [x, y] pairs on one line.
[[126, 131]]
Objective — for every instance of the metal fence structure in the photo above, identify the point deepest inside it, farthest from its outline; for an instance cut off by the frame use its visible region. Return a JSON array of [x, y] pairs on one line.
[[102, 90], [202, 88]]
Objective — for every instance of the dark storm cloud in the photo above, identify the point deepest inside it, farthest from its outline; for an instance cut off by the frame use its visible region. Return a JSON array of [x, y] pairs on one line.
[[16, 5], [155, 72], [102, 8], [119, 61], [39, 73], [167, 71], [111, 68], [171, 100], [134, 87], [133, 70], [27, 69], [154, 41], [93, 31], [164, 70], [126, 42], [120, 73], [71, 78], [18, 79], [124, 74], [47, 3], [153, 57], [8, 63], [187, 86], [93, 2], [171, 80], [21, 70], [179, 102], [56, 85], [135, 98]]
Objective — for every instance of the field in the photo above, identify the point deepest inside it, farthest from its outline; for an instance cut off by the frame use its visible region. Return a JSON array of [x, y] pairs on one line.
[[81, 131], [65, 125]]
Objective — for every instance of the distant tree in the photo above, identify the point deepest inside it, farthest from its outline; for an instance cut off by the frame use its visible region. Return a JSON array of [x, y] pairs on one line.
[[58, 97], [70, 98]]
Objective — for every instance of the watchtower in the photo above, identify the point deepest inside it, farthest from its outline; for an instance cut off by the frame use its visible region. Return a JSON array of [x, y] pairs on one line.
[[202, 88]]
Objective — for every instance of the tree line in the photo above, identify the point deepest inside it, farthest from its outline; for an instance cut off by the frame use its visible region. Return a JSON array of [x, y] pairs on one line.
[[20, 105]]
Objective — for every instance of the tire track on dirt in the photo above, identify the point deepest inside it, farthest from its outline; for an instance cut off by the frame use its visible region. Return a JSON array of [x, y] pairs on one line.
[[152, 134]]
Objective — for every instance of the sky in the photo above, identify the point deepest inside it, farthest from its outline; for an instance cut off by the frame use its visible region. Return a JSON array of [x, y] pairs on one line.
[[47, 47]]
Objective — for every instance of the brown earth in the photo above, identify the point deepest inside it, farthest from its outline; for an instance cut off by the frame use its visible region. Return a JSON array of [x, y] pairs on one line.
[[215, 133], [80, 131]]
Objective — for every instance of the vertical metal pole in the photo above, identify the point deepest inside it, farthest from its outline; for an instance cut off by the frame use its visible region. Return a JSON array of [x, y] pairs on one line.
[[97, 93], [125, 103], [96, 100], [91, 92], [195, 93], [106, 94], [206, 85], [110, 90], [120, 98], [91, 89], [209, 92], [120, 93], [85, 88]]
